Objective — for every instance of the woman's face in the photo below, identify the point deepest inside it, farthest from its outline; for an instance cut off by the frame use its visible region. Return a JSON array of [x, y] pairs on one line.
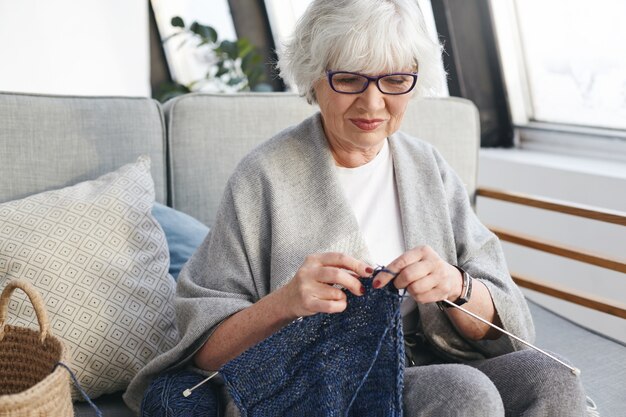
[[357, 124]]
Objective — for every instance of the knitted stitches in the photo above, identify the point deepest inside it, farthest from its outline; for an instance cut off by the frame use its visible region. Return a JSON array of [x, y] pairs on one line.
[[164, 397], [327, 365]]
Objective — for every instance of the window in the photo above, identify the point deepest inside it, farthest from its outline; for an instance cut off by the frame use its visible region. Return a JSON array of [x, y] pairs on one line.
[[186, 62], [564, 60]]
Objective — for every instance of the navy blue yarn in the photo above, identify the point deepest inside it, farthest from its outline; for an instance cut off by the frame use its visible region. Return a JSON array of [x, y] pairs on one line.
[[348, 364], [77, 385], [164, 397]]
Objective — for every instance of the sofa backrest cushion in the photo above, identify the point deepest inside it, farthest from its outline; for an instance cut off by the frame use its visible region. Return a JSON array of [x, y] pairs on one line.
[[210, 133], [49, 142]]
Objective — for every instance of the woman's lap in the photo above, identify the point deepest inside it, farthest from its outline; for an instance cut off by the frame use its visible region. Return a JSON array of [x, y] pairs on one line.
[[449, 390], [524, 383], [531, 383]]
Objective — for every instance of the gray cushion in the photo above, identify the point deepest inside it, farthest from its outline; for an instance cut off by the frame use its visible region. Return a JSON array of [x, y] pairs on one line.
[[602, 361], [210, 133], [49, 142]]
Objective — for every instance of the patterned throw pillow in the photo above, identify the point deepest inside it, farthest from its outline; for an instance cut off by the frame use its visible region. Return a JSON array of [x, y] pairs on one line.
[[100, 260]]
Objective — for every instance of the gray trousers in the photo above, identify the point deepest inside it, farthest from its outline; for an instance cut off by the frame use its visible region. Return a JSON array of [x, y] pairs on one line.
[[524, 383]]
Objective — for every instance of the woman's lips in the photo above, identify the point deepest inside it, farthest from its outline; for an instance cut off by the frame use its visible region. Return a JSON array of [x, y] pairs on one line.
[[367, 124]]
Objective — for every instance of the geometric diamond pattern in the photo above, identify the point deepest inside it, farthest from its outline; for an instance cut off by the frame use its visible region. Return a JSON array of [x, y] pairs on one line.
[[100, 260]]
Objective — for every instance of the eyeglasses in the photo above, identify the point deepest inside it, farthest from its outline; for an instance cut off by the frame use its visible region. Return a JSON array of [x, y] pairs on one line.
[[345, 82]]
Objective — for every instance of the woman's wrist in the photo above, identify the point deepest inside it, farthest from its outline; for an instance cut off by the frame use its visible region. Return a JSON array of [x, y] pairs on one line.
[[282, 302], [458, 283]]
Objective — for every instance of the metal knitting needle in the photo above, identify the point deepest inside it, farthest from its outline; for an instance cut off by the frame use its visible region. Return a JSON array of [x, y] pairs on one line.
[[575, 371], [187, 392]]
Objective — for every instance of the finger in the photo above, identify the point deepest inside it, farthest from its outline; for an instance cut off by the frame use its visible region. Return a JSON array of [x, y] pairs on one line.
[[429, 289], [398, 264], [326, 292], [341, 260], [329, 306], [412, 273], [333, 275]]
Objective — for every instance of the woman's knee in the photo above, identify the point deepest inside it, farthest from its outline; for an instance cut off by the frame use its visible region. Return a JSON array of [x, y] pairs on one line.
[[535, 384], [551, 384], [450, 390]]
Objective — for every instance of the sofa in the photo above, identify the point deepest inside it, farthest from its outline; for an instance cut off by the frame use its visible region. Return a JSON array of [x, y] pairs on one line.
[[192, 144]]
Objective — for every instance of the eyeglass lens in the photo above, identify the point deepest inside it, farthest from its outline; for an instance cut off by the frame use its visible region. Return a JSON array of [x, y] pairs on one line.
[[356, 83]]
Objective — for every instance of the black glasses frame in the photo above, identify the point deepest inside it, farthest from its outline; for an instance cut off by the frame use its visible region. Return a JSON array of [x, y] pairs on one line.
[[376, 80]]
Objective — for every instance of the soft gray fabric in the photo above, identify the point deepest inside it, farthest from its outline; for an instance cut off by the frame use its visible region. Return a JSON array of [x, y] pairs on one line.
[[523, 383], [533, 385], [49, 142], [284, 202], [210, 133], [450, 390], [602, 361]]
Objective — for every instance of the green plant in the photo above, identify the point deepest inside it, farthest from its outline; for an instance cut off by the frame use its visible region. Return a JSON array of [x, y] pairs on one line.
[[232, 65]]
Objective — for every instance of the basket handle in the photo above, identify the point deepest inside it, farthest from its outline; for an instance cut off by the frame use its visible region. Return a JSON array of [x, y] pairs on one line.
[[35, 299]]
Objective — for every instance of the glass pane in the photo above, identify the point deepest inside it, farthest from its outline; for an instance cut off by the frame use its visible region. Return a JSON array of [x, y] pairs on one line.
[[576, 60], [187, 61]]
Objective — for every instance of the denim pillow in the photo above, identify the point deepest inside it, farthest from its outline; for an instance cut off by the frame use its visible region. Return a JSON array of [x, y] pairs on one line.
[[183, 234]]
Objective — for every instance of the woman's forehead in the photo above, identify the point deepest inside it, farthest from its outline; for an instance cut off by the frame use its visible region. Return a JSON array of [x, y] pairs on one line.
[[373, 63], [373, 70]]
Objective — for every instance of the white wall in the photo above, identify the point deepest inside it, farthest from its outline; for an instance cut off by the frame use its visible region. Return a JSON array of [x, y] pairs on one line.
[[597, 183], [82, 47]]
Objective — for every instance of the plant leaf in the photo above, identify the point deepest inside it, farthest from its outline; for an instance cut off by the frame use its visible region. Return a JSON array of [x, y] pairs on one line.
[[221, 71], [244, 46], [207, 33], [229, 48], [168, 90], [234, 81], [178, 22]]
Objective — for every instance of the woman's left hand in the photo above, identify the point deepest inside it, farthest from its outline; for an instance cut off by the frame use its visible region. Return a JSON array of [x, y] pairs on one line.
[[426, 276]]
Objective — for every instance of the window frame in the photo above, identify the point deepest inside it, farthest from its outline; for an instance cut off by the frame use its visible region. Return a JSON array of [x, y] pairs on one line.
[[473, 65], [561, 138]]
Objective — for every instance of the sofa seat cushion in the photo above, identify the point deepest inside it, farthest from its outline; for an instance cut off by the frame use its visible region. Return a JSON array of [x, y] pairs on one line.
[[100, 261]]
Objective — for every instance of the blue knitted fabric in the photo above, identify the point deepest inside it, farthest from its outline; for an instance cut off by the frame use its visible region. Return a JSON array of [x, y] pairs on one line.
[[348, 364], [164, 397]]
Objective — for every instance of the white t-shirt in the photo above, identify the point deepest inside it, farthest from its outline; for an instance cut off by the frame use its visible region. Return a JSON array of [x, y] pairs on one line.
[[371, 191]]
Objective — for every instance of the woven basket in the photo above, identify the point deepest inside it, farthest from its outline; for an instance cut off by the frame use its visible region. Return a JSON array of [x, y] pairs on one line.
[[30, 385]]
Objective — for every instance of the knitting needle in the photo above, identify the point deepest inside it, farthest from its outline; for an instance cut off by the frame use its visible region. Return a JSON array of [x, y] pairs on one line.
[[575, 371], [187, 392]]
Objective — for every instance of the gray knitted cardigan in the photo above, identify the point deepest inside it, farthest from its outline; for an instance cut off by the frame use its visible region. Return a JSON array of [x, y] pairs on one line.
[[283, 202]]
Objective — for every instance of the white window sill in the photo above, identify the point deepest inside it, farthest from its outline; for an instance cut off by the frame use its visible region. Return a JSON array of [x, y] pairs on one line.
[[590, 181], [570, 163]]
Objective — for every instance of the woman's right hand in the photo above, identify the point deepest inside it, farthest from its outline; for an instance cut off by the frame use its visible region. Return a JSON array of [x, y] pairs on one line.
[[311, 290]]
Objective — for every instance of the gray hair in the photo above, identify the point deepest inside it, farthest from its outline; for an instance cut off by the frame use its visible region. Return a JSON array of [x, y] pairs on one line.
[[367, 36]]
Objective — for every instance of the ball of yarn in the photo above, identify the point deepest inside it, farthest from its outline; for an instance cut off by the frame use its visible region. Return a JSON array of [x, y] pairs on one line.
[[164, 397]]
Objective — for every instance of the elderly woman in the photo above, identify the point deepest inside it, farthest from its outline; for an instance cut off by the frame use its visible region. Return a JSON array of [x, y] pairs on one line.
[[321, 203]]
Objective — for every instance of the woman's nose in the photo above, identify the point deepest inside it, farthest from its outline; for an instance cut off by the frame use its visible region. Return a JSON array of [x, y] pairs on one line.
[[372, 98]]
